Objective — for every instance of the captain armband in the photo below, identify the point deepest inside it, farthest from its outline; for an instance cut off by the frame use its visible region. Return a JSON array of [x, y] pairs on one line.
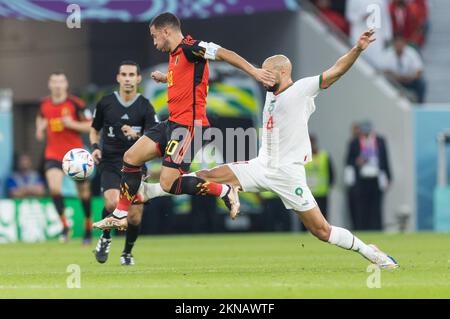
[[210, 49]]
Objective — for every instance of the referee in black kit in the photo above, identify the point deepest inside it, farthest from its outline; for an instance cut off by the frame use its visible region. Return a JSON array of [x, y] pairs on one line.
[[122, 117]]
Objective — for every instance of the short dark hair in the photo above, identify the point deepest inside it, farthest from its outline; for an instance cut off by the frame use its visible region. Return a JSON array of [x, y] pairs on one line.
[[166, 19], [58, 72], [130, 62]]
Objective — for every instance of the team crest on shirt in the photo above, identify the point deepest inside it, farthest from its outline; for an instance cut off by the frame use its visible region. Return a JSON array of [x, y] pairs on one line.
[[299, 191], [65, 111], [271, 106]]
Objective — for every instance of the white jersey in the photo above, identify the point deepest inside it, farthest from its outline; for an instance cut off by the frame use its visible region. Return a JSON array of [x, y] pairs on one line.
[[285, 138]]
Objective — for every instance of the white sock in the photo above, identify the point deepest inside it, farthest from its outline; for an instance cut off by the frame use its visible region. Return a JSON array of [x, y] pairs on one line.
[[345, 239], [120, 213], [225, 189], [153, 190]]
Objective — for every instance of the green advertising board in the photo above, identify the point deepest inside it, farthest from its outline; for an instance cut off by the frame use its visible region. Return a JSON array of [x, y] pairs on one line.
[[36, 220]]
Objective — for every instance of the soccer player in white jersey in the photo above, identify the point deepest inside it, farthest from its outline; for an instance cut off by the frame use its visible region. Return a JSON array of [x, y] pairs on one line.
[[286, 148]]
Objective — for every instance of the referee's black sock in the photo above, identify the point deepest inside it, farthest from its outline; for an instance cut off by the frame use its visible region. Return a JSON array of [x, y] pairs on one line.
[[131, 236], [106, 233]]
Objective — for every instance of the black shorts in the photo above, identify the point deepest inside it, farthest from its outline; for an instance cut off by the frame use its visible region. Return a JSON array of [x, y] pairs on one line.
[[111, 173], [51, 163], [177, 144]]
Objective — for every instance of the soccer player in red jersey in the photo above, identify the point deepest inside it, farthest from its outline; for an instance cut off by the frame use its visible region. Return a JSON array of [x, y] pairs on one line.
[[64, 117], [187, 82]]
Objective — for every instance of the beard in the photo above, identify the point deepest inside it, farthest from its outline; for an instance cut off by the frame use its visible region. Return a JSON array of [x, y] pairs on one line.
[[273, 88]]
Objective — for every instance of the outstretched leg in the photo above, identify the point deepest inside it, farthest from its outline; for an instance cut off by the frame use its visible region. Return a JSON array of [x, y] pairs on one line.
[[198, 184], [319, 227], [219, 181], [142, 151]]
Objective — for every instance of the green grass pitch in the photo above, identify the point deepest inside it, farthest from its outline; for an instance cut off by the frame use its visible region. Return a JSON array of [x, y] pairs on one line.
[[229, 266]]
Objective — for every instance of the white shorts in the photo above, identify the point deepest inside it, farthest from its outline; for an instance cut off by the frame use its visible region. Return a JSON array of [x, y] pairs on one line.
[[287, 181]]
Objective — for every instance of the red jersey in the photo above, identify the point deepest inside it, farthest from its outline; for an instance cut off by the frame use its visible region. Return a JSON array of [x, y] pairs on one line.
[[60, 140], [187, 82], [404, 21]]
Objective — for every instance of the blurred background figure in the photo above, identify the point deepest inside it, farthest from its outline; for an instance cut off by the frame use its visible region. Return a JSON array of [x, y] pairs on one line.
[[326, 9], [61, 120], [320, 175], [25, 182], [368, 156], [404, 64], [349, 176], [409, 20], [357, 14], [421, 11]]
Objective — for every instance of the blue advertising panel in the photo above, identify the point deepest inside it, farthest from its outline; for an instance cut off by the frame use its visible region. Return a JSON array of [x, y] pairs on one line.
[[429, 122]]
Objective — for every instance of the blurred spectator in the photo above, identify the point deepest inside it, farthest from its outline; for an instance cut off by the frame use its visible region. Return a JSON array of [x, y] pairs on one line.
[[408, 18], [25, 182], [320, 175], [333, 16], [349, 176], [420, 9], [404, 64], [339, 6], [358, 16], [369, 159]]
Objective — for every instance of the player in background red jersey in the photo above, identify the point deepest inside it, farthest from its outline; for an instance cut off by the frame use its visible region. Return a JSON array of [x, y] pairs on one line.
[[63, 117]]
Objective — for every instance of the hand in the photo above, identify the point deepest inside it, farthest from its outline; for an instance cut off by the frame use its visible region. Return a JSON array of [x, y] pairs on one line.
[[129, 132], [40, 135], [159, 77], [360, 161], [67, 121], [265, 77], [365, 39], [404, 79], [97, 156], [35, 190]]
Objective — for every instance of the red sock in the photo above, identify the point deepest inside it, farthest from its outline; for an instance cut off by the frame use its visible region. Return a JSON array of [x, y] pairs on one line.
[[124, 203], [88, 224], [192, 185], [210, 188], [64, 221]]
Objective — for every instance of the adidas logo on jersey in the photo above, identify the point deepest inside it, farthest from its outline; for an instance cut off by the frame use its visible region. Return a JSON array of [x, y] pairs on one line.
[[125, 117]]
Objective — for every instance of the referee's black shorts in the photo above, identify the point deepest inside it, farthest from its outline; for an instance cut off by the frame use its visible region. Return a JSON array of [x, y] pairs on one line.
[[110, 170]]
